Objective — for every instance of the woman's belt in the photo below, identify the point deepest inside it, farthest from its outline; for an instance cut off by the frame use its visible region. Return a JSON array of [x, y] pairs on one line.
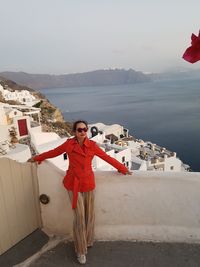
[[76, 187], [75, 192]]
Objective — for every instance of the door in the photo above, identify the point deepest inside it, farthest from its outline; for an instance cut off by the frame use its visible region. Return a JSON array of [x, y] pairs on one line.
[[23, 130], [19, 204]]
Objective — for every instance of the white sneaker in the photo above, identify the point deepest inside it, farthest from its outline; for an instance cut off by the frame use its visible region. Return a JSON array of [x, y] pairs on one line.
[[81, 259]]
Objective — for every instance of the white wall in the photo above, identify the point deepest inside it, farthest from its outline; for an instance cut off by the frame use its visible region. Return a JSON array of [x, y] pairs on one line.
[[21, 153], [35, 129], [124, 153], [4, 133], [115, 129], [99, 163], [99, 138], [3, 118], [172, 161], [159, 206], [58, 161], [15, 113], [39, 138]]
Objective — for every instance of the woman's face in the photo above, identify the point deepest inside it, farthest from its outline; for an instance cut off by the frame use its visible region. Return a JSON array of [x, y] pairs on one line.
[[81, 130]]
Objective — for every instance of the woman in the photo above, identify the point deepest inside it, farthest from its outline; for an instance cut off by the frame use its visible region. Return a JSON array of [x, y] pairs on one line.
[[80, 183]]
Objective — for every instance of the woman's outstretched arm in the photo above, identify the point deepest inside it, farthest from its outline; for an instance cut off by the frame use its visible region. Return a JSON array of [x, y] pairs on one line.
[[112, 161], [50, 154]]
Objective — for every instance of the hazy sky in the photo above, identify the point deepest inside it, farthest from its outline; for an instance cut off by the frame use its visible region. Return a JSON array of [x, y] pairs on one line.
[[67, 36]]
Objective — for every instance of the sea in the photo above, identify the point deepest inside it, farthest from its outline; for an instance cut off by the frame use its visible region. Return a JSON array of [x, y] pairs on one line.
[[164, 112]]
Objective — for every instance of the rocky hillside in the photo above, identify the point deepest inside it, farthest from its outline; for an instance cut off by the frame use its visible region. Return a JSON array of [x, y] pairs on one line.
[[92, 78], [52, 119]]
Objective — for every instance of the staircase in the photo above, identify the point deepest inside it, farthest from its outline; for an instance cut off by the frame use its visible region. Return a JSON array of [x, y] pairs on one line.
[[27, 141], [3, 149]]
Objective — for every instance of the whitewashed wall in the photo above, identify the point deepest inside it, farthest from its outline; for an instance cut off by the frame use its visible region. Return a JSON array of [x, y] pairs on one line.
[[40, 138], [124, 153], [3, 118], [4, 133], [99, 163], [20, 153], [173, 161], [159, 206]]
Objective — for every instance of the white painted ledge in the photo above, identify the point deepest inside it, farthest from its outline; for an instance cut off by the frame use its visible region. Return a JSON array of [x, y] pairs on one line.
[[157, 206]]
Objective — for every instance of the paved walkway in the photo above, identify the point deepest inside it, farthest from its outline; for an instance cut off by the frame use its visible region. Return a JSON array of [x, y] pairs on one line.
[[125, 254], [106, 254]]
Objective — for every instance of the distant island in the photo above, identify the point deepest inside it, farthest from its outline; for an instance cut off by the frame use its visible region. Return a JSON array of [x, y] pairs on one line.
[[92, 78], [97, 78]]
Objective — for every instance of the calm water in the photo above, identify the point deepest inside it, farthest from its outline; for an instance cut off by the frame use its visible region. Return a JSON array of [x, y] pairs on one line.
[[166, 113]]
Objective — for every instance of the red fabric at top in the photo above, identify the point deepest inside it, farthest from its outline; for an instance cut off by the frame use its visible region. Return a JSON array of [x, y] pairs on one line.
[[192, 53], [80, 176]]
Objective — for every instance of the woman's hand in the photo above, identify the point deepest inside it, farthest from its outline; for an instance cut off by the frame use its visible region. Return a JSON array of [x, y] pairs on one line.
[[129, 172], [30, 160]]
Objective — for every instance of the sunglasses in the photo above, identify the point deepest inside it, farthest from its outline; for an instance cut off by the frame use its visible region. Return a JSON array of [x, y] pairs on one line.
[[80, 130]]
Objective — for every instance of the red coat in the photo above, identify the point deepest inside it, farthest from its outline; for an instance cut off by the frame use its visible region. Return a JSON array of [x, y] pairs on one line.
[[79, 176]]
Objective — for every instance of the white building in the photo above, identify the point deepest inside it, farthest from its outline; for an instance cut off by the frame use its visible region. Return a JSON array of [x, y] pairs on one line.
[[140, 155], [108, 130], [113, 139], [150, 157], [16, 124], [23, 96], [122, 155]]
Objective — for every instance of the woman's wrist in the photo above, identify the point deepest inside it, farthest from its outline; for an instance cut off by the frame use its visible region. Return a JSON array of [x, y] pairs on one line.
[[31, 159]]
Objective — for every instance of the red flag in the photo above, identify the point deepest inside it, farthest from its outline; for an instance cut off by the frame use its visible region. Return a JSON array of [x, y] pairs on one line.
[[192, 53]]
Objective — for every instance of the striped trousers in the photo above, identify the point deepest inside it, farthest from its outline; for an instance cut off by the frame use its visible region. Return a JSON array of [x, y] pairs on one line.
[[83, 224]]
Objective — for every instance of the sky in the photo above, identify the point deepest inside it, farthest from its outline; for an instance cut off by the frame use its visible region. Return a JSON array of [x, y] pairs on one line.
[[69, 36]]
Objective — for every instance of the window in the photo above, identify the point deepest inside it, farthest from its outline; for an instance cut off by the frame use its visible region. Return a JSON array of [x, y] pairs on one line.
[[123, 159], [172, 168], [65, 156]]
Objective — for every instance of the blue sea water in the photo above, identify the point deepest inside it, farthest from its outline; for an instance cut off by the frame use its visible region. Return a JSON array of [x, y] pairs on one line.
[[165, 112]]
